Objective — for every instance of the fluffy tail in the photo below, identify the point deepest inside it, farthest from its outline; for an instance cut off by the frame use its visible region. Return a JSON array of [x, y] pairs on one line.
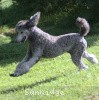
[[83, 25]]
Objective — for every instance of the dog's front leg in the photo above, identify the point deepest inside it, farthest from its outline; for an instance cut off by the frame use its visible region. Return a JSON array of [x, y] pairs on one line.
[[27, 57], [25, 66]]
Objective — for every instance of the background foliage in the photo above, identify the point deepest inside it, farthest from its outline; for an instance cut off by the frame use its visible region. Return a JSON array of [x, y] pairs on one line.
[[58, 13]]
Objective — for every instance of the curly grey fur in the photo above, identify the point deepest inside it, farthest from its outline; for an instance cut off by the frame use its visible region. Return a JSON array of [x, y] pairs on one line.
[[83, 25], [42, 44]]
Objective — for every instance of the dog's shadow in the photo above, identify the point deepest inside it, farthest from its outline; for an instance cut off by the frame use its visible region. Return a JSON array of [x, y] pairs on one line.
[[19, 88]]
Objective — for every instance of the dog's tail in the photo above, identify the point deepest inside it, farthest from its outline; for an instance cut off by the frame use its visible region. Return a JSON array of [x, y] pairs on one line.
[[83, 25]]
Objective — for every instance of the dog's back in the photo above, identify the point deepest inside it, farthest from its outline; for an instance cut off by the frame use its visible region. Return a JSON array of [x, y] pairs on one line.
[[57, 45]]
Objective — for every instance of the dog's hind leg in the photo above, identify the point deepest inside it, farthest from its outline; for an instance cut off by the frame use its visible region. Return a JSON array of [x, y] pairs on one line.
[[92, 58], [76, 55]]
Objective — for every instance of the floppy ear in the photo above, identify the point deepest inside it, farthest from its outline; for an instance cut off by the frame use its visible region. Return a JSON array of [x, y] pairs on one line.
[[33, 21]]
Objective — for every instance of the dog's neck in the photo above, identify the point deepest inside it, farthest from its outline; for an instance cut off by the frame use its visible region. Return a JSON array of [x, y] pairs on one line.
[[37, 30], [35, 33]]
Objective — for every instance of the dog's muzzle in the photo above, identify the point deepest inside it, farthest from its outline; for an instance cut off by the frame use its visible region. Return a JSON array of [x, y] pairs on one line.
[[21, 41]]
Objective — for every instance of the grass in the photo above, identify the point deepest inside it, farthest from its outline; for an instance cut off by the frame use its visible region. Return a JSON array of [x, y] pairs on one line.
[[52, 79]]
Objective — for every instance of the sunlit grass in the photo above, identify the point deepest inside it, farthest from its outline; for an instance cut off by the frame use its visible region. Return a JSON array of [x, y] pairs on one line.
[[6, 3]]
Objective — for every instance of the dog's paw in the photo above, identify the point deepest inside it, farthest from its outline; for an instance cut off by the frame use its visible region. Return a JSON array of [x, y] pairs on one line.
[[93, 59], [83, 67], [14, 75]]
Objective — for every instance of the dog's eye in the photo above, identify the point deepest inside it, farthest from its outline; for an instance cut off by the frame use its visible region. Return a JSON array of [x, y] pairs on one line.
[[21, 32]]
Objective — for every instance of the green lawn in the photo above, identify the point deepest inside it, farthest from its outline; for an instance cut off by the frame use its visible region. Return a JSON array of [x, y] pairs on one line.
[[49, 79]]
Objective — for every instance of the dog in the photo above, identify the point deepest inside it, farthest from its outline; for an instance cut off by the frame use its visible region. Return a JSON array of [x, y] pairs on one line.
[[42, 44]]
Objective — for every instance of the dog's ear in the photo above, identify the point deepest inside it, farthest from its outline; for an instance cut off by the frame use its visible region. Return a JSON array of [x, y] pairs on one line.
[[33, 21]]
